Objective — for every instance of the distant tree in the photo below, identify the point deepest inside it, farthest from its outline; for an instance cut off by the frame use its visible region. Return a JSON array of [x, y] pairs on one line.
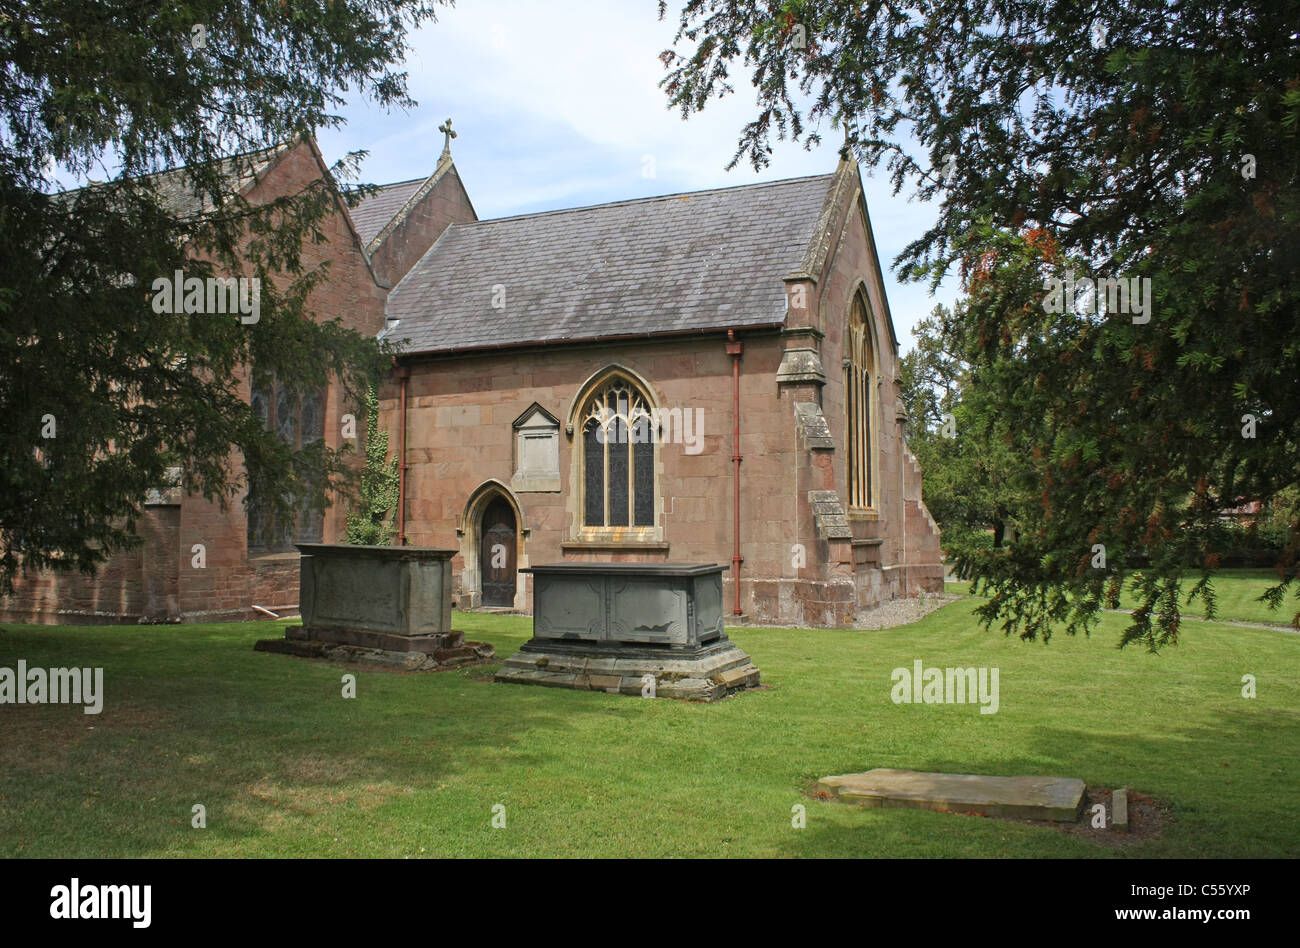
[[1137, 140], [372, 521], [932, 374], [968, 474], [100, 395]]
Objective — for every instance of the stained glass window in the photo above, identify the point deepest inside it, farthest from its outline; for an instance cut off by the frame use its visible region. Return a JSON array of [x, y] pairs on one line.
[[618, 449], [285, 412], [260, 400], [859, 362], [594, 475], [643, 484], [298, 422], [313, 417]]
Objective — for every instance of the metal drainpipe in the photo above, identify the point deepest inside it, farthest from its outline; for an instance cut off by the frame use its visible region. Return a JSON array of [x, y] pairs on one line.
[[902, 486], [734, 349], [403, 373]]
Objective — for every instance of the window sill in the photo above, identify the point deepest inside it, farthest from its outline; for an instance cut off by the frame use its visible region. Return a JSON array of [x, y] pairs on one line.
[[613, 545]]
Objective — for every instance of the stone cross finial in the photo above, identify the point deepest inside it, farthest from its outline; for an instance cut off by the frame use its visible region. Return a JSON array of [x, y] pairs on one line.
[[445, 128]]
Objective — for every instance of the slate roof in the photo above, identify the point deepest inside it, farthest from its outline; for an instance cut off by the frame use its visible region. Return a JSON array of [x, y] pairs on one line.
[[377, 209], [679, 262], [176, 192]]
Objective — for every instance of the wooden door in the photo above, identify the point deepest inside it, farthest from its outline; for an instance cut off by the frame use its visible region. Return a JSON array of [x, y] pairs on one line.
[[498, 550]]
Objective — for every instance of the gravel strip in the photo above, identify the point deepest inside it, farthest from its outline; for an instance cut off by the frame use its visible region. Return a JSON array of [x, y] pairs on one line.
[[896, 612]]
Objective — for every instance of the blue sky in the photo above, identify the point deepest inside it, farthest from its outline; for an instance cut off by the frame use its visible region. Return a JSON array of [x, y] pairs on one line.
[[560, 107]]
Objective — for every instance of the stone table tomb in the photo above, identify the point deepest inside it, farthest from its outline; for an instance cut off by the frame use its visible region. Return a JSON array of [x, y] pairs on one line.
[[651, 629], [389, 605]]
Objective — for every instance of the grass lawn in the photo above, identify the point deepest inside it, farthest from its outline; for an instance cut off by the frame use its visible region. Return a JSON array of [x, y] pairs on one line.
[[414, 764], [1237, 590]]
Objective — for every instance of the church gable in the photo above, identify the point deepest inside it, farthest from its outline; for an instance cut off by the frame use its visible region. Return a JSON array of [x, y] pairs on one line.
[[866, 495], [398, 223]]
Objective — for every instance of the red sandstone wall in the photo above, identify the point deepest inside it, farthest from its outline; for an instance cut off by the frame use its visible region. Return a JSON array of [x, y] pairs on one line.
[[161, 582], [909, 552], [123, 590], [232, 583], [459, 435]]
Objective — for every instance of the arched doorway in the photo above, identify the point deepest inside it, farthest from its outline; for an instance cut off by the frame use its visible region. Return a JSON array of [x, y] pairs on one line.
[[476, 546], [498, 553]]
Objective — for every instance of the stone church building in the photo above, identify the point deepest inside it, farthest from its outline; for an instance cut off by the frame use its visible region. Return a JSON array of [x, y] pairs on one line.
[[708, 377]]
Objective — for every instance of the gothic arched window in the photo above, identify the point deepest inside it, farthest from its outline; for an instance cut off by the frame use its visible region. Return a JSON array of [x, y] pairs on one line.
[[298, 421], [859, 397], [618, 457]]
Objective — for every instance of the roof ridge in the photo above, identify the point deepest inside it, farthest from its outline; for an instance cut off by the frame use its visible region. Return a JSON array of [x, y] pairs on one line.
[[654, 197], [174, 172], [265, 151], [395, 184]]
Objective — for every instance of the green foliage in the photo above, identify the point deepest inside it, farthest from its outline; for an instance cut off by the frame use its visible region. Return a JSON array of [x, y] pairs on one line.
[[371, 522], [122, 91], [1114, 140], [966, 484]]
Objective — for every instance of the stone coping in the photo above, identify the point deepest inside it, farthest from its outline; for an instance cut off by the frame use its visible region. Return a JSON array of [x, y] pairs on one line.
[[376, 552], [645, 569]]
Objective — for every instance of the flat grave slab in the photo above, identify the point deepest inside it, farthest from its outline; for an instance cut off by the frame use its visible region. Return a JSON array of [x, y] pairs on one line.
[[1055, 799]]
